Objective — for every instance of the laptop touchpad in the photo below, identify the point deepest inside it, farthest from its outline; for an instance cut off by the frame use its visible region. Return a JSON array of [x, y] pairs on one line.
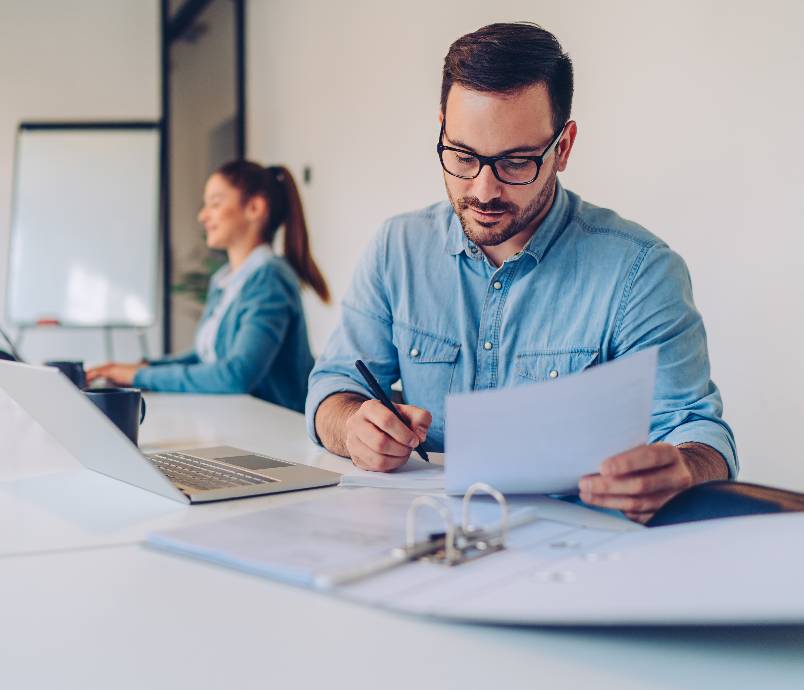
[[254, 462]]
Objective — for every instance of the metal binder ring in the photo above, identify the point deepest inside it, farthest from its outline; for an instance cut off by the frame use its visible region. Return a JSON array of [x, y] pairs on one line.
[[496, 495], [442, 508]]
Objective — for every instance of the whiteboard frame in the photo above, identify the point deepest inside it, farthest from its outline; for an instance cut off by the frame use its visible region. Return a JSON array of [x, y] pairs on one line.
[[89, 126]]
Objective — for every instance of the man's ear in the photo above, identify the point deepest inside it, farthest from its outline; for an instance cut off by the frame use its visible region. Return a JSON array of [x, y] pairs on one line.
[[564, 147], [440, 117]]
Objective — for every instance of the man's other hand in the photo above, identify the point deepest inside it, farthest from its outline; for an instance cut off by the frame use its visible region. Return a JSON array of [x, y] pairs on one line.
[[376, 440], [640, 481]]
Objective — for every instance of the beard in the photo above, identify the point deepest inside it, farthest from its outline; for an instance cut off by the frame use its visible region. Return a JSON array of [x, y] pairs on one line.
[[493, 233]]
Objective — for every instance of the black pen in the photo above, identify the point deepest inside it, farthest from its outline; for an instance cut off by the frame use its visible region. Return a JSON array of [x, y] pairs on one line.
[[383, 398]]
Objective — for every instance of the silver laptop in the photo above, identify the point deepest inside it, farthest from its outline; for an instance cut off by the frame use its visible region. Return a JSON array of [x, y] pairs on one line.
[[190, 476]]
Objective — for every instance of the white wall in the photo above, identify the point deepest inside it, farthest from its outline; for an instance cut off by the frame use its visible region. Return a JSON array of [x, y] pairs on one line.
[[690, 122], [90, 60]]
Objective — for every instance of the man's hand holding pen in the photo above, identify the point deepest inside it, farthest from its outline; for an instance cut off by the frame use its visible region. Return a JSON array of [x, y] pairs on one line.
[[376, 440]]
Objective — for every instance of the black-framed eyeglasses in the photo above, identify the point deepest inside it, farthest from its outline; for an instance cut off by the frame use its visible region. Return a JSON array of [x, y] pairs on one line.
[[507, 169]]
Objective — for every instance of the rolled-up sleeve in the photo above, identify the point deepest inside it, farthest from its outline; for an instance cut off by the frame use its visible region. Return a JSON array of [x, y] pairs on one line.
[[184, 358], [364, 332], [657, 309]]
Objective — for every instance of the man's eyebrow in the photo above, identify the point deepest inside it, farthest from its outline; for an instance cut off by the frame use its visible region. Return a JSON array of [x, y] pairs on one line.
[[517, 149]]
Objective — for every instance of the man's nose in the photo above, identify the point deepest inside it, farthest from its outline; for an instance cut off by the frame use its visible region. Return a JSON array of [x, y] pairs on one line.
[[485, 186]]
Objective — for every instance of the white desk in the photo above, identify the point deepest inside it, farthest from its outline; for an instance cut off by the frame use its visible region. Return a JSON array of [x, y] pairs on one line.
[[84, 606], [49, 501]]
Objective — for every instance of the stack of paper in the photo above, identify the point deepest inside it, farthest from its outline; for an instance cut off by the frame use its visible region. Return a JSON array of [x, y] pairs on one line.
[[414, 475]]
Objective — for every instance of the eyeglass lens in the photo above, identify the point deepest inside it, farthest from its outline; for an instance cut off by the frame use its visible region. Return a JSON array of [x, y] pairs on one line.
[[515, 170]]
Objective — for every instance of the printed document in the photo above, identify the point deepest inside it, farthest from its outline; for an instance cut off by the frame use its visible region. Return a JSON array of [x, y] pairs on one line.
[[543, 437]]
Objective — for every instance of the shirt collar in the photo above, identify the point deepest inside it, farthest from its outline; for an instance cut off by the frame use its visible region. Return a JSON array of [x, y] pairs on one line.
[[538, 245], [455, 242], [258, 256]]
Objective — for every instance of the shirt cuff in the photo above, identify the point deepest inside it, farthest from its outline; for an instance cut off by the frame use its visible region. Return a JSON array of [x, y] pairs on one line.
[[321, 390], [143, 378], [709, 434]]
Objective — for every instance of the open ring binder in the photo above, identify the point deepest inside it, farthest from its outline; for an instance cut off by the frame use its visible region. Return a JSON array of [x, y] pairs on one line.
[[455, 545], [552, 563]]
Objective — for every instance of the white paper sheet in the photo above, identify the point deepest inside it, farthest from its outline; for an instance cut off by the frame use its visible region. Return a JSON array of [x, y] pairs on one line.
[[414, 475], [542, 438]]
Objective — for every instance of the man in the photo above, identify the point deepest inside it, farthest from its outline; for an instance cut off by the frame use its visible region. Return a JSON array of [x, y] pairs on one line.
[[517, 280]]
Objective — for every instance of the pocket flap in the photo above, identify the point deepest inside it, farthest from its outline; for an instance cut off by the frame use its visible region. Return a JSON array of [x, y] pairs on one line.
[[421, 347], [544, 365]]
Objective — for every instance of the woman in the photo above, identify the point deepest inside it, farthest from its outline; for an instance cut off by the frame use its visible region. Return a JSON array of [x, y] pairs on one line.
[[252, 337]]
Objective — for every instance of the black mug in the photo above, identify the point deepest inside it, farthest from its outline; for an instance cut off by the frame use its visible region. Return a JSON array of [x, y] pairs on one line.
[[124, 406], [72, 370]]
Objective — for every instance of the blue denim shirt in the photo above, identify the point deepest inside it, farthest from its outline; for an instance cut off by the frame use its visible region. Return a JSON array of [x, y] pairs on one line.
[[427, 306], [261, 345]]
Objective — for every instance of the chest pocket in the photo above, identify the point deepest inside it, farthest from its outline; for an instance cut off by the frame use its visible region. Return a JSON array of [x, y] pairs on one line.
[[427, 366], [547, 365]]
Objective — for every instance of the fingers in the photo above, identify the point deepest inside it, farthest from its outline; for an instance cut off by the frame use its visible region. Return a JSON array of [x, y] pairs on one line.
[[638, 482], [110, 373], [646, 504], [367, 459], [382, 418], [376, 440], [647, 482], [97, 372], [639, 517], [118, 374], [418, 419], [379, 441], [642, 458]]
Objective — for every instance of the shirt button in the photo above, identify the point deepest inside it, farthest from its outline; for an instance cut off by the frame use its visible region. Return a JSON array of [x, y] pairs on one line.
[[487, 345], [414, 352], [497, 285], [553, 374]]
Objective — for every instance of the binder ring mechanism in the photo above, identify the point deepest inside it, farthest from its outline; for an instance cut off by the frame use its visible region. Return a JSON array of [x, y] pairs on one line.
[[458, 543], [455, 545]]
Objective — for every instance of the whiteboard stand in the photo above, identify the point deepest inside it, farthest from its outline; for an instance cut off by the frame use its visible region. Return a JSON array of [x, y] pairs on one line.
[[108, 332], [146, 355]]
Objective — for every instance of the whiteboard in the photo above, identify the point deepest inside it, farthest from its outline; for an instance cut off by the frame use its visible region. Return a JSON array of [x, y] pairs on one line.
[[85, 226]]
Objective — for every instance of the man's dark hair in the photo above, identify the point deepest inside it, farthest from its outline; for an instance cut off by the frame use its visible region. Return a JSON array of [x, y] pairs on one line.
[[504, 58]]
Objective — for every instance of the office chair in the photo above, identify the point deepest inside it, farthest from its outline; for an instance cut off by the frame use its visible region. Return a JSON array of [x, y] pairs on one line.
[[725, 498]]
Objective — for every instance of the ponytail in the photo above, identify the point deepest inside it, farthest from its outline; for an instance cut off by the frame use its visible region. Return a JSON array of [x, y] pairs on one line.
[[277, 186], [297, 242]]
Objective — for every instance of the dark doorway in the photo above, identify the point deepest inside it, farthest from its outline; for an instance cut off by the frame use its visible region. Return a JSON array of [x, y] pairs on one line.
[[204, 120]]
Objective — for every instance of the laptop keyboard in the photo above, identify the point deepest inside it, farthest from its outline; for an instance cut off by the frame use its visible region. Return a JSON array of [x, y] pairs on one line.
[[197, 473]]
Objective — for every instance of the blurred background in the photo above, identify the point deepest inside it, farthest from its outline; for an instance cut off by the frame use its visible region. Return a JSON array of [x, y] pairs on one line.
[[689, 117]]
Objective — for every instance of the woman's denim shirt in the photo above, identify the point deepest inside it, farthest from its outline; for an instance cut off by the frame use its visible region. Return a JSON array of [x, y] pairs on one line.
[[261, 345]]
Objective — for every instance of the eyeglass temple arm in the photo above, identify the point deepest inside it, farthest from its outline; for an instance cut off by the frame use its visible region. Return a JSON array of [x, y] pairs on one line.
[[555, 141]]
